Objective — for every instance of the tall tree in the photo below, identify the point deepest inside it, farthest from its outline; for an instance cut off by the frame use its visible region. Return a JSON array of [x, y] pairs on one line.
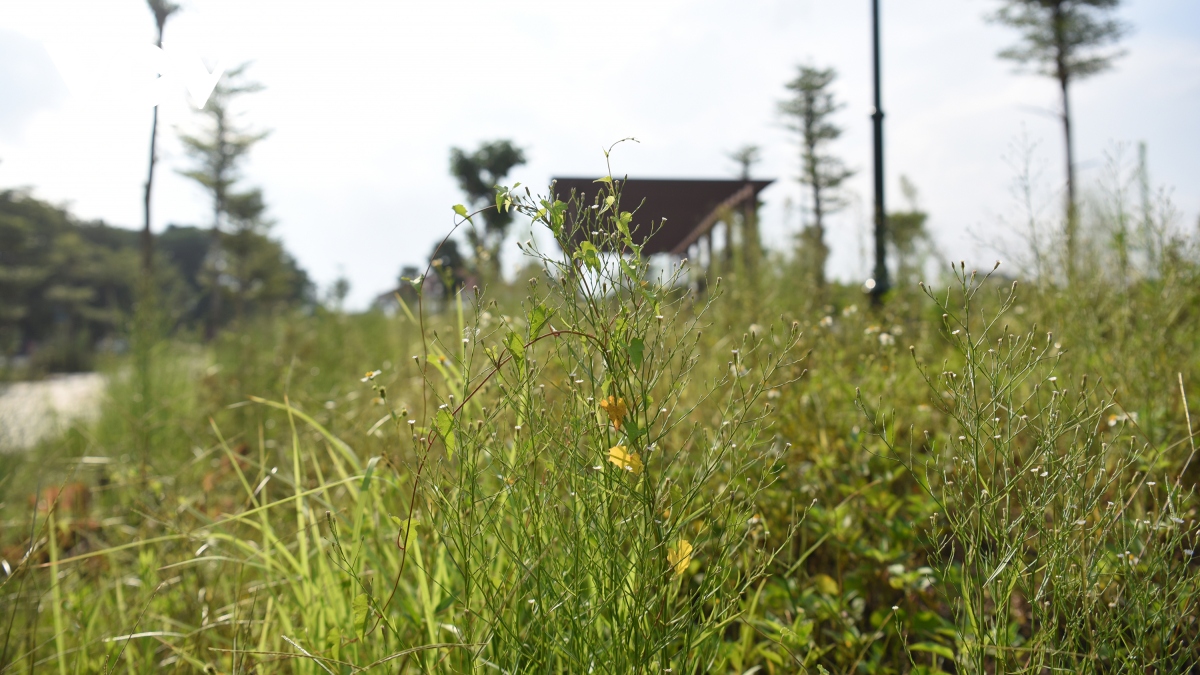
[[746, 157], [162, 11], [1066, 40], [478, 174], [809, 113], [219, 151]]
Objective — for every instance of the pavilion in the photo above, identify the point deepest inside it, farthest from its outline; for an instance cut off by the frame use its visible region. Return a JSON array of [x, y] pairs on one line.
[[687, 209]]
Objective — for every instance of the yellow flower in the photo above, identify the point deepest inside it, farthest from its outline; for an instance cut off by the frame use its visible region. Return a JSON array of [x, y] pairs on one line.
[[680, 556], [623, 459], [616, 409]]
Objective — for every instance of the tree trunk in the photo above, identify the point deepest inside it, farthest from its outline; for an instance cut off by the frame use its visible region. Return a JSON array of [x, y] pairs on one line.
[[817, 240], [214, 307], [1072, 211], [147, 237], [1064, 82]]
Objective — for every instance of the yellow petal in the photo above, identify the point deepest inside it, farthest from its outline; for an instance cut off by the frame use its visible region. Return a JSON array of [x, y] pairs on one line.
[[623, 459], [616, 409], [680, 556]]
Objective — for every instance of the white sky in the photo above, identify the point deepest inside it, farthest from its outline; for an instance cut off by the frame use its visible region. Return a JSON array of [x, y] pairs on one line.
[[365, 99]]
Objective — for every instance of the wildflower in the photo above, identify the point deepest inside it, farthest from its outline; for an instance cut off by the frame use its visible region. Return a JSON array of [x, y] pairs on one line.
[[826, 322], [623, 459], [680, 556], [886, 339], [616, 409], [371, 374]]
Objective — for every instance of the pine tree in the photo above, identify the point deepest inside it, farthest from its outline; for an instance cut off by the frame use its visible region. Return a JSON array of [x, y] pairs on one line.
[[746, 157], [219, 152], [809, 112], [1067, 40]]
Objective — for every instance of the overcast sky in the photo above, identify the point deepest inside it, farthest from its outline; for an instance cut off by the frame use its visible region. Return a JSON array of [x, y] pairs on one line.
[[365, 98]]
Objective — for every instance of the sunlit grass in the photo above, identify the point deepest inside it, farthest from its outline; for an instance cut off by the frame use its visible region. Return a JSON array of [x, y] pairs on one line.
[[599, 470]]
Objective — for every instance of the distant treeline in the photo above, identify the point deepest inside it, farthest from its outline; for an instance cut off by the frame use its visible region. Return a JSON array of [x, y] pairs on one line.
[[69, 287]]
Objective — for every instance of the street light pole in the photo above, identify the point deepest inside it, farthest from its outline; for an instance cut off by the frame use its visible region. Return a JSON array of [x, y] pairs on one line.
[[879, 284]]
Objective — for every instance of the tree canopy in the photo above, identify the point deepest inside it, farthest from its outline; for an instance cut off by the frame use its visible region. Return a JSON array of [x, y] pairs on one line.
[[478, 173]]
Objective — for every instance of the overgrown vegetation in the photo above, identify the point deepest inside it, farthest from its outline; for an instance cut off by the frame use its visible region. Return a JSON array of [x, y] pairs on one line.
[[600, 470], [69, 288]]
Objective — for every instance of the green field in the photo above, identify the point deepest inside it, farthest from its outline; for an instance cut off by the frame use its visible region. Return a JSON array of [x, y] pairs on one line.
[[596, 469]]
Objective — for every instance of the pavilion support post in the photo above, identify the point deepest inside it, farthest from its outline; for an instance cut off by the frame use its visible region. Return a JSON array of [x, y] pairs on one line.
[[727, 253], [750, 240]]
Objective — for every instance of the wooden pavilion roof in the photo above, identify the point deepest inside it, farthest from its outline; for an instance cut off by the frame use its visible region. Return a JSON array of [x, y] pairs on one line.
[[691, 207]]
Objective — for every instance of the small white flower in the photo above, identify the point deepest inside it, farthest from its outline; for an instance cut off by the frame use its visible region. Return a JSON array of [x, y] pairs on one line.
[[371, 375]]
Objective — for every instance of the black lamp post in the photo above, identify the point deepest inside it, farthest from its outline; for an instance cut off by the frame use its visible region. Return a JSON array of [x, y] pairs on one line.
[[879, 284]]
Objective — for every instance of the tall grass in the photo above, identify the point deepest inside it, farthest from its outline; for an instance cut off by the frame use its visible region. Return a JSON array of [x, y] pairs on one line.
[[601, 470]]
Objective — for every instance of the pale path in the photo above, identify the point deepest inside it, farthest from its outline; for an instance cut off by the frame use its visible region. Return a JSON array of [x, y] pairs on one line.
[[33, 411]]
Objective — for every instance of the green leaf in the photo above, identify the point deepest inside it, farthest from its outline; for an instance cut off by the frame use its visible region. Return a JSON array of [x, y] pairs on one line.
[[606, 179], [589, 254], [444, 422], [333, 642], [634, 349], [629, 270], [462, 211], [493, 355], [361, 608], [623, 224], [446, 602], [630, 425], [608, 202], [516, 347], [933, 648], [366, 482], [557, 213], [801, 631], [539, 316], [402, 525]]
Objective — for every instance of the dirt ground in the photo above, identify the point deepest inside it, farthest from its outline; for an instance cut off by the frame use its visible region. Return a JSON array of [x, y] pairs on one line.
[[33, 411]]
